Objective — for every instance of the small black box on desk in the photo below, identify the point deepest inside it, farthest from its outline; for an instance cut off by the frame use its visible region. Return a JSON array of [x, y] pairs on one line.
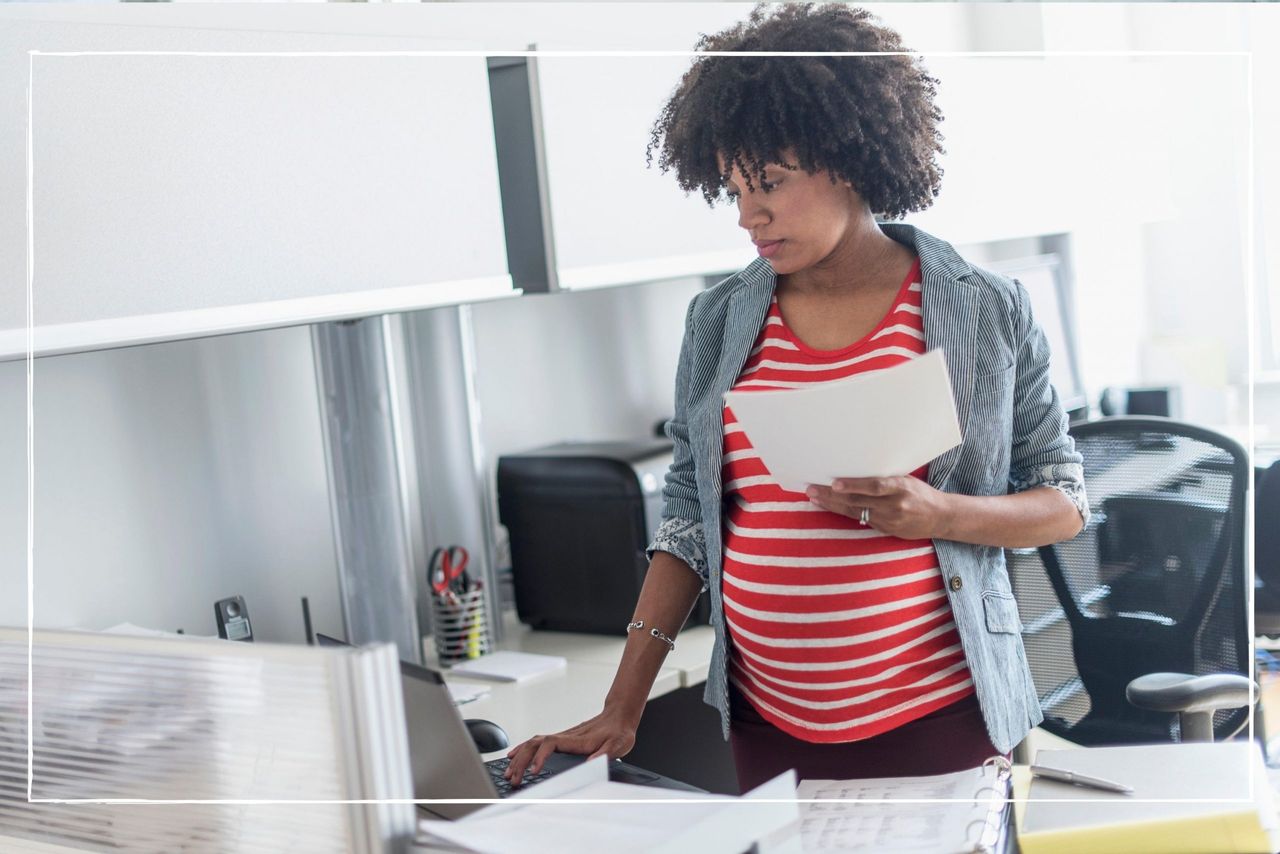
[[580, 516]]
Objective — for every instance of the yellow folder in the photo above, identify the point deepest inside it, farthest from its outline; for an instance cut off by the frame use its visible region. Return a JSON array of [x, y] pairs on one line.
[[1187, 799]]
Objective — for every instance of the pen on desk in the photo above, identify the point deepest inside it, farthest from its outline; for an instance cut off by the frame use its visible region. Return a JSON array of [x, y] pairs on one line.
[[306, 622], [1080, 779]]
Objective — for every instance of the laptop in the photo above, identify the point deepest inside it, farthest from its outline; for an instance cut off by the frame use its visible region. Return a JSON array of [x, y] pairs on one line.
[[444, 758]]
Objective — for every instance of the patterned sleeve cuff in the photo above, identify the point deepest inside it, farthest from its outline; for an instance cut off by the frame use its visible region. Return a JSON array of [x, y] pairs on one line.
[[684, 539], [1067, 478]]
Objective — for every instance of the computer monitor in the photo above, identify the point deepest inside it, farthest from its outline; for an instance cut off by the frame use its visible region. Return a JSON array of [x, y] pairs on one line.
[[1043, 277]]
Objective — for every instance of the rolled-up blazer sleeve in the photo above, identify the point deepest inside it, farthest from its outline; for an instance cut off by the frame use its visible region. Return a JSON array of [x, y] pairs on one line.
[[681, 532], [1043, 453]]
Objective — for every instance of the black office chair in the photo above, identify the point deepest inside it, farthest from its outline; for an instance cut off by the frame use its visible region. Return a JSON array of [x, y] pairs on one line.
[[1266, 552], [1136, 629]]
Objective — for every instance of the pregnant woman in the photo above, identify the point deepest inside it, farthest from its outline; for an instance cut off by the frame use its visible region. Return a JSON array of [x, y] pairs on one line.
[[864, 627]]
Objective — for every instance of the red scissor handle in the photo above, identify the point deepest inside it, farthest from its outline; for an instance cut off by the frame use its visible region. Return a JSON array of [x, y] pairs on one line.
[[444, 569]]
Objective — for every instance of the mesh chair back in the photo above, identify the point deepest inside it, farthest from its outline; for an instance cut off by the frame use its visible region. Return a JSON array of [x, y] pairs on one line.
[[1155, 582]]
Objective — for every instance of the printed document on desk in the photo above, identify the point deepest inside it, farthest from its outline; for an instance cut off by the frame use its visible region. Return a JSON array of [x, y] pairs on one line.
[[878, 424], [652, 820], [942, 814]]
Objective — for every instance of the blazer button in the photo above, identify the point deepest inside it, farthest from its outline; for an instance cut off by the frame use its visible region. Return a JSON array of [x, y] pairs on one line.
[[956, 583]]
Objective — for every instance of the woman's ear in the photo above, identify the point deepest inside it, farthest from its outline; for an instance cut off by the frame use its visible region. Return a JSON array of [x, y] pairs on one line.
[[855, 198]]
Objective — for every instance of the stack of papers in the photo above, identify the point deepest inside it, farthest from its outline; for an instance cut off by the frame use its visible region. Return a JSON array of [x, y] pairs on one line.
[[879, 424], [555, 817], [509, 666]]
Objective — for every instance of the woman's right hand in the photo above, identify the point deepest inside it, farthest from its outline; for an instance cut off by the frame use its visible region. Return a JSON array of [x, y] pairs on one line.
[[606, 734]]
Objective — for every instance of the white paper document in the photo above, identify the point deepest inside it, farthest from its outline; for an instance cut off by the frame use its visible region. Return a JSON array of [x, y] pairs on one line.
[[708, 824], [143, 632], [510, 666], [965, 818], [465, 692], [878, 424]]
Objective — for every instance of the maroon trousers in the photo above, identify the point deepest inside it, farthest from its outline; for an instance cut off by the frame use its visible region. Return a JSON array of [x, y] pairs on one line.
[[949, 739]]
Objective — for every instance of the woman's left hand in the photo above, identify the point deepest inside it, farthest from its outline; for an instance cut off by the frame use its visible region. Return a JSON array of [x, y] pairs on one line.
[[905, 507]]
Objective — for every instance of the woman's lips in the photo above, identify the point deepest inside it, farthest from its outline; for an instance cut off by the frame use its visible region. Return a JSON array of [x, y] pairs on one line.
[[768, 248]]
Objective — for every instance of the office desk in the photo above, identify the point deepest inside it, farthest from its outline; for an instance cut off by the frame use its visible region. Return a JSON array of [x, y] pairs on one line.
[[551, 702], [691, 657], [679, 735]]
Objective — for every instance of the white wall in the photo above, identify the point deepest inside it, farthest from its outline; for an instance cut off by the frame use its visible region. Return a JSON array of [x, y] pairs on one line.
[[167, 477], [1168, 301], [578, 366]]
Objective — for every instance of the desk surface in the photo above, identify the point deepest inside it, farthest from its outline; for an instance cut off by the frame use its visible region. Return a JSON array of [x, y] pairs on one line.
[[691, 657], [551, 702], [555, 701]]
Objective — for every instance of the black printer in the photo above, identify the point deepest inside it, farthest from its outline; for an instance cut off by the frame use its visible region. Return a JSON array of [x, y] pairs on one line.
[[580, 516]]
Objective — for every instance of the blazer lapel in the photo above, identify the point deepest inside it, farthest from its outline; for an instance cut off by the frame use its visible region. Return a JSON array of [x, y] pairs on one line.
[[950, 314], [950, 324], [743, 317], [744, 314]]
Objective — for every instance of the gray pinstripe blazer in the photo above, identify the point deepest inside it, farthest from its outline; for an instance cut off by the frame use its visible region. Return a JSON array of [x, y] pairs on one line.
[[1015, 437]]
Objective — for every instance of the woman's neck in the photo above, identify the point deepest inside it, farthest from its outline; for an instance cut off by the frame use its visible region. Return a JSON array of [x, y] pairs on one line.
[[864, 260]]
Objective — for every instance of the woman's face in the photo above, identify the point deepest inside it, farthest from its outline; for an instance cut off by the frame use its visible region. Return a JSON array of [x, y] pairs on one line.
[[796, 220]]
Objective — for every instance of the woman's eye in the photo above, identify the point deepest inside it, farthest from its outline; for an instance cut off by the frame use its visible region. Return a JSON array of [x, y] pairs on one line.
[[768, 186]]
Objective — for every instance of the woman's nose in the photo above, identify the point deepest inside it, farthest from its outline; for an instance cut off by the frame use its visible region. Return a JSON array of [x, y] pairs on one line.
[[751, 214]]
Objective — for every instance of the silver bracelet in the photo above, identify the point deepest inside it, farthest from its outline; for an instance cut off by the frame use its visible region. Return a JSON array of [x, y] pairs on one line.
[[654, 633]]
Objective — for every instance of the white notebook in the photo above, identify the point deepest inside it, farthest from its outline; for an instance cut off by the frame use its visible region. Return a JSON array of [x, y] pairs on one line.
[[508, 666]]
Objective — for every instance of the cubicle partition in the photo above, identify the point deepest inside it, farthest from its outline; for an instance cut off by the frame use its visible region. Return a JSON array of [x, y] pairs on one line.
[[165, 744]]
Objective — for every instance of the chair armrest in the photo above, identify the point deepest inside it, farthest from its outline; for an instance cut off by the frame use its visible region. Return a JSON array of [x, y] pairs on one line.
[[1182, 692]]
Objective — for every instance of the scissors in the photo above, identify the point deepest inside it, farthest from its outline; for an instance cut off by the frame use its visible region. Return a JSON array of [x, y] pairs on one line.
[[448, 572]]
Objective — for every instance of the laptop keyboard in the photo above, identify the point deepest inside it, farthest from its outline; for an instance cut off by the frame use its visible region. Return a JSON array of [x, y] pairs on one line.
[[498, 767]]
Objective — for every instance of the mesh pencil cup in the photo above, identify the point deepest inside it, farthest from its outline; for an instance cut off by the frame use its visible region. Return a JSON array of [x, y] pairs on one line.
[[460, 625]]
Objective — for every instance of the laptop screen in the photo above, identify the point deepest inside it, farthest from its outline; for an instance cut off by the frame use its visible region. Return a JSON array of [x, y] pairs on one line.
[[412, 671]]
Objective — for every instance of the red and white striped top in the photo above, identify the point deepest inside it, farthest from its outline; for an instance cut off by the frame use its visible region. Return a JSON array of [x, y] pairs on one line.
[[839, 633]]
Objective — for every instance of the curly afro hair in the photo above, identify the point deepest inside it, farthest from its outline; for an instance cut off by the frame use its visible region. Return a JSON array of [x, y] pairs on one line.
[[868, 120]]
